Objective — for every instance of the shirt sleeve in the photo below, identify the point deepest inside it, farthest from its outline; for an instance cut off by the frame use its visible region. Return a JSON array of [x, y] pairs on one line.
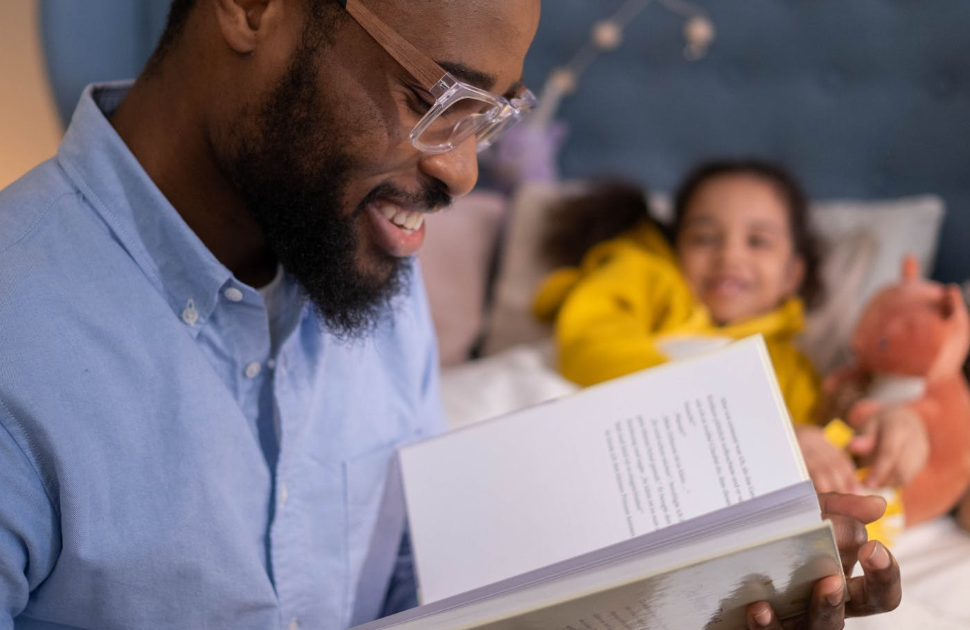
[[29, 530], [608, 324]]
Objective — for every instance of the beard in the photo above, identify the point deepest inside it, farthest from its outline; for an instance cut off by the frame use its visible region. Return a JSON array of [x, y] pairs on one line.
[[292, 173]]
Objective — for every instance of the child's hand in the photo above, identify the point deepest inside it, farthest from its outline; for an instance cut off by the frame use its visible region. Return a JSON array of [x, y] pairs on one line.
[[894, 443], [831, 469]]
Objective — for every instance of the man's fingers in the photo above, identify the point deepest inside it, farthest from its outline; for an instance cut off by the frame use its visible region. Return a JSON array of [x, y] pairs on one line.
[[862, 508], [760, 616], [850, 536], [827, 610], [879, 589]]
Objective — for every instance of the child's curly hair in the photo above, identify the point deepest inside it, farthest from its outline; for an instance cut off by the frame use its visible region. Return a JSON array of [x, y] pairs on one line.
[[604, 210], [610, 207]]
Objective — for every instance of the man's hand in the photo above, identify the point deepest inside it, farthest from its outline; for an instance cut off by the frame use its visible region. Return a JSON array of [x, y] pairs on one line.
[[877, 591], [831, 469], [894, 443]]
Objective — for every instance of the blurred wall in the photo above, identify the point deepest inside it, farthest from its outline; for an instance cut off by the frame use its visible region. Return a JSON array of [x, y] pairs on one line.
[[30, 128]]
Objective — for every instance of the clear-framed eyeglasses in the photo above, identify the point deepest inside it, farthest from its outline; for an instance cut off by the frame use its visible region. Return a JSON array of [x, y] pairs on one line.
[[460, 110]]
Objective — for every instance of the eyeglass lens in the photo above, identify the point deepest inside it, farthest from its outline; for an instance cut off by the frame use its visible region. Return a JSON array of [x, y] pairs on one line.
[[458, 121]]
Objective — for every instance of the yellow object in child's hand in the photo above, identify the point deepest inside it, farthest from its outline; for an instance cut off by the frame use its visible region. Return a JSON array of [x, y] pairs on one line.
[[887, 528]]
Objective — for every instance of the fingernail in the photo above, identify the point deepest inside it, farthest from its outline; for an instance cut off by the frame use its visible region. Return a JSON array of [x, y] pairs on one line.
[[835, 597], [879, 558], [763, 618]]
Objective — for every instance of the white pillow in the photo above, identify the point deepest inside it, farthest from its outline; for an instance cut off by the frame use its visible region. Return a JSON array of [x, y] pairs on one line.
[[863, 247], [863, 243], [455, 261], [521, 268]]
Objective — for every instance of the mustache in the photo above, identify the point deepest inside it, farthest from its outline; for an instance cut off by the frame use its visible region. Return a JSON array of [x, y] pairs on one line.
[[432, 197]]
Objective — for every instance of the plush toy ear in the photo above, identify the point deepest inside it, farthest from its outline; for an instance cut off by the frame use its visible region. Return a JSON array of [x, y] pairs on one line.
[[956, 323], [910, 267]]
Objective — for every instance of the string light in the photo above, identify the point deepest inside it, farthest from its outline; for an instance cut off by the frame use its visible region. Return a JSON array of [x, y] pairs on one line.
[[607, 35]]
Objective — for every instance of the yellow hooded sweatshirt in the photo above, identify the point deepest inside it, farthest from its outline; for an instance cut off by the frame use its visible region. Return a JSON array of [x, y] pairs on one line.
[[627, 307]]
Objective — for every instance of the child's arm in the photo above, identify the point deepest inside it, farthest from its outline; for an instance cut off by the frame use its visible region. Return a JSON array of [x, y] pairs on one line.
[[608, 324]]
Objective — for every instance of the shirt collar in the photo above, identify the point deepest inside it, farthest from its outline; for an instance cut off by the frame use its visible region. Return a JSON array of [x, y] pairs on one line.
[[147, 226]]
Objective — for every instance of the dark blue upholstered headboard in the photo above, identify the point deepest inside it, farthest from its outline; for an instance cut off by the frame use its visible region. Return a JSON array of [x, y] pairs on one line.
[[97, 40], [860, 98]]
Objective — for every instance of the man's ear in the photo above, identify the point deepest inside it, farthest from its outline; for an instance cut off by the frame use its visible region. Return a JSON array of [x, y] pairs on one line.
[[240, 21]]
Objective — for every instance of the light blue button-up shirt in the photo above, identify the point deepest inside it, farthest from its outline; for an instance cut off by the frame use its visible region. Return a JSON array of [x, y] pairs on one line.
[[138, 397]]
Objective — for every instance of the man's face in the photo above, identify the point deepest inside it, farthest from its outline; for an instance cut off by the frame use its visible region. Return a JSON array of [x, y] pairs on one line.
[[323, 160]]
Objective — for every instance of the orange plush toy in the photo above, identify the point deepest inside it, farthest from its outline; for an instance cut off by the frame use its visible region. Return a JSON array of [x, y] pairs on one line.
[[910, 345]]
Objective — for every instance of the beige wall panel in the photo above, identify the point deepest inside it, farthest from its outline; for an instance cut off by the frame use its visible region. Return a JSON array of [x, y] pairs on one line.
[[30, 128]]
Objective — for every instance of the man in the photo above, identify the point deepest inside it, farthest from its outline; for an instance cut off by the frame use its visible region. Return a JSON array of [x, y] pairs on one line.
[[213, 336]]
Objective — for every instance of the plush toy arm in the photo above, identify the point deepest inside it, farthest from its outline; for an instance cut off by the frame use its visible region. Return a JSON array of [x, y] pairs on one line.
[[944, 480]]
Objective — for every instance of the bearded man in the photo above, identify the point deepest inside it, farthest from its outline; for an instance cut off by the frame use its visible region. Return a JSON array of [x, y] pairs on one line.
[[213, 332]]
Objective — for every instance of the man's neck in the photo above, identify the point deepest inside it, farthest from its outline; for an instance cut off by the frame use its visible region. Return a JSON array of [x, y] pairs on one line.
[[162, 123]]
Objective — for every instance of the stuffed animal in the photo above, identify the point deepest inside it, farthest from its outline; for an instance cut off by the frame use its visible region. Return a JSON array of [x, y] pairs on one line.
[[963, 513], [910, 345]]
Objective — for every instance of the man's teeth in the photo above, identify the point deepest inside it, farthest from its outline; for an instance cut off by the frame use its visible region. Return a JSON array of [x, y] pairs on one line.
[[404, 219]]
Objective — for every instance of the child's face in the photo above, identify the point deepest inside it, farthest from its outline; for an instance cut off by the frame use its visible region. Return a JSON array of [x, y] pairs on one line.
[[735, 248]]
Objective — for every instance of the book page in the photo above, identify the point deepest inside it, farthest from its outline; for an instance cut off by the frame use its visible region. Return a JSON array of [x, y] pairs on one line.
[[612, 462]]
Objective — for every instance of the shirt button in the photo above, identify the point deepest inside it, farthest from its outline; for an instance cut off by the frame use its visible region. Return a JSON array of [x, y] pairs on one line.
[[252, 370], [233, 294], [284, 493], [294, 625], [190, 315], [271, 364]]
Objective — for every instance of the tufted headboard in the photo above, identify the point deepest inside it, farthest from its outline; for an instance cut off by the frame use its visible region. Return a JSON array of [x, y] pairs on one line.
[[861, 99]]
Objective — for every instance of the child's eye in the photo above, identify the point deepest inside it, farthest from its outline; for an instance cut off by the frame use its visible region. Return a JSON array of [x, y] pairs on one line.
[[702, 238], [758, 241]]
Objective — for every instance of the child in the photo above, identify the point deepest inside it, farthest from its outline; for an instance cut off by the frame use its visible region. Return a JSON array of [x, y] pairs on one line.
[[739, 260]]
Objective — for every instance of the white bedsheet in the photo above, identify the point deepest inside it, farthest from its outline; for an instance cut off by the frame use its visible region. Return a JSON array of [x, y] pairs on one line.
[[934, 557], [935, 562]]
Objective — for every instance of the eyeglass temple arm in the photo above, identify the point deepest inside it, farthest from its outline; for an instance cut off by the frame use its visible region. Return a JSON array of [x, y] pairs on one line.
[[426, 71]]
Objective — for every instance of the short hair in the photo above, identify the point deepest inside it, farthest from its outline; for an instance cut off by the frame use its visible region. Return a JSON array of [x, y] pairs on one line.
[[805, 243], [178, 15]]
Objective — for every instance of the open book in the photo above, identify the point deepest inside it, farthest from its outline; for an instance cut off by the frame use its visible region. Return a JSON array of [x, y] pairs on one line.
[[670, 498]]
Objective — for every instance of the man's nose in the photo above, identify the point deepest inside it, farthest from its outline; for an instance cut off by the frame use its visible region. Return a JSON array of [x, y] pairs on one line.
[[457, 169]]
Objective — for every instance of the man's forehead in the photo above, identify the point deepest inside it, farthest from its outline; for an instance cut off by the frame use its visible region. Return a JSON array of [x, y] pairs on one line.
[[481, 42]]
